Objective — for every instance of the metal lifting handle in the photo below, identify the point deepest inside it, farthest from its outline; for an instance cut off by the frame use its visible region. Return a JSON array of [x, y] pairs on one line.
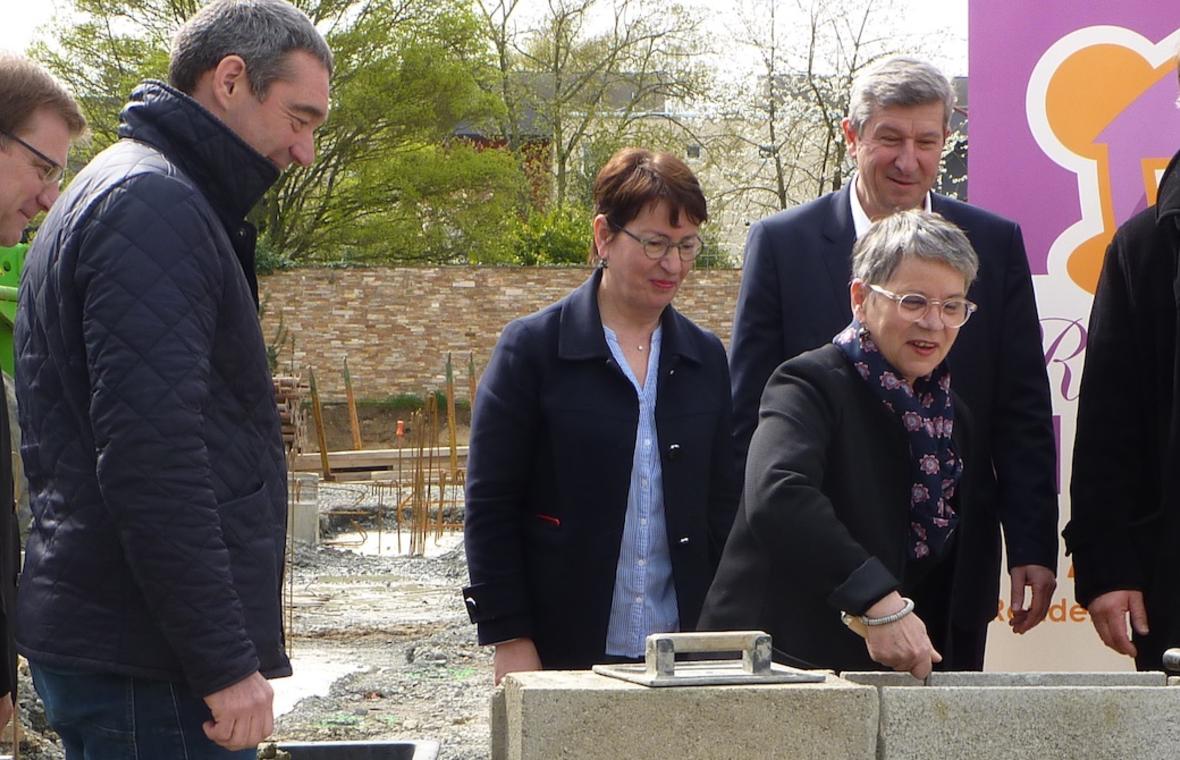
[[661, 652]]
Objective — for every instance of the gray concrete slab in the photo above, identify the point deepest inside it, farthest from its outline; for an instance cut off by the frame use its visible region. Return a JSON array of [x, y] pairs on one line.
[[1117, 678], [303, 511], [553, 715], [881, 678], [1002, 722], [499, 725]]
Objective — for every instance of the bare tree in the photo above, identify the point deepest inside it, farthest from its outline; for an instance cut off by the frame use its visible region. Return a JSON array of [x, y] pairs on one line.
[[499, 22], [591, 71], [779, 142]]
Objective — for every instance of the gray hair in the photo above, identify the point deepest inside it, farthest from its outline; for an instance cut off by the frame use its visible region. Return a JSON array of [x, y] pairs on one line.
[[899, 81], [262, 32], [922, 234]]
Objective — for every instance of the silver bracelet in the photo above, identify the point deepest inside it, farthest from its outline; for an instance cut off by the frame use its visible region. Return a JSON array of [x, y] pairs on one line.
[[906, 609]]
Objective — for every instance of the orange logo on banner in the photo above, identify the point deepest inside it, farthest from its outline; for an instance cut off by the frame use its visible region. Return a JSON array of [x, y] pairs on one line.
[[1090, 89]]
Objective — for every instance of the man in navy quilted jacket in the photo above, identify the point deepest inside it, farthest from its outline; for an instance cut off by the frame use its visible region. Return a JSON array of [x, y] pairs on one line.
[[38, 120], [149, 608]]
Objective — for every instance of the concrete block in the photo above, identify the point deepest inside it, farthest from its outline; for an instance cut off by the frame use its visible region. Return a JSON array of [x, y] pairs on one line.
[[551, 715], [1173, 680], [1005, 722], [499, 724], [303, 509], [1118, 678], [879, 678]]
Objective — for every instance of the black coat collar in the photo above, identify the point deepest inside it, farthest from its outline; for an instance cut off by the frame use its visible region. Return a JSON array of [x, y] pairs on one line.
[[230, 174], [580, 333]]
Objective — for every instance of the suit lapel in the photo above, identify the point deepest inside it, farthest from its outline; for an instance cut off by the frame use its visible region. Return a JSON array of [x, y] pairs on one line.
[[838, 236]]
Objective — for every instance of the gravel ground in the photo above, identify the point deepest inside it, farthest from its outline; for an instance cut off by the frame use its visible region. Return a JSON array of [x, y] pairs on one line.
[[402, 619]]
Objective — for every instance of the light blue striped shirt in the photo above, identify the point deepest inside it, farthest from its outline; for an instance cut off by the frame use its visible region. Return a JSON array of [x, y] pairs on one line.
[[644, 598]]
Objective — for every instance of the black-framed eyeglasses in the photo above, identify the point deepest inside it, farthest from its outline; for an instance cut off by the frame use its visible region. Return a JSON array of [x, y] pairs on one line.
[[656, 248], [914, 307], [51, 171]]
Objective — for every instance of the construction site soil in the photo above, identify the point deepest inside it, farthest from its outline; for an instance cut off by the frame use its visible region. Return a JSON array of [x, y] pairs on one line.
[[397, 629], [378, 426]]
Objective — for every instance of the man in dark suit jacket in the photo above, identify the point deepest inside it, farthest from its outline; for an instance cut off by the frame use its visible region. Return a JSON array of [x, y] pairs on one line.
[[1125, 522], [794, 297]]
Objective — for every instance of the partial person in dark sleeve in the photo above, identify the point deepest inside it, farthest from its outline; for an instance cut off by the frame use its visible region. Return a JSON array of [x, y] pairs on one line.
[[1125, 508], [38, 120]]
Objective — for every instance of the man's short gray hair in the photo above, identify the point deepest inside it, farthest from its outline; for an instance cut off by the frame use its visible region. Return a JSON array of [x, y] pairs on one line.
[[922, 234], [262, 32], [899, 82]]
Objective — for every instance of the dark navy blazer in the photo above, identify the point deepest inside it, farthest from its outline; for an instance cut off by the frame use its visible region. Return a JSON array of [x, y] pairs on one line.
[[551, 448], [794, 297]]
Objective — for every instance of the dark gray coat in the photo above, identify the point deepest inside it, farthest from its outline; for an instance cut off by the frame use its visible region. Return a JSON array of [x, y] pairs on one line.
[[1125, 503], [151, 439]]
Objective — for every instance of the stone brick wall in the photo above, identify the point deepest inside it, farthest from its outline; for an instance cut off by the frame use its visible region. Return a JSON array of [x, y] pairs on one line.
[[396, 325]]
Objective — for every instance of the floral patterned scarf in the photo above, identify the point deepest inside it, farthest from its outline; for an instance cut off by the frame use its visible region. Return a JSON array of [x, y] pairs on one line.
[[928, 416]]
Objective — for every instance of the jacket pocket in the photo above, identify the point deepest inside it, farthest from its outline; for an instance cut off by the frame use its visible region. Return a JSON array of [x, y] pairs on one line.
[[248, 528], [245, 518], [250, 534]]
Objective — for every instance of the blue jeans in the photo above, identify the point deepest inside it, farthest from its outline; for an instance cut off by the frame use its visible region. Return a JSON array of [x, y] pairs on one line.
[[115, 717]]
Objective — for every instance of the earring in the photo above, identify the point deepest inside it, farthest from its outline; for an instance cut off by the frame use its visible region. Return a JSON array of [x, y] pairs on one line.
[[602, 262]]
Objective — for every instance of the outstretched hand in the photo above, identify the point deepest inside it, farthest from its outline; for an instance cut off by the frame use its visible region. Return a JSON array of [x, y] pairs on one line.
[[902, 645]]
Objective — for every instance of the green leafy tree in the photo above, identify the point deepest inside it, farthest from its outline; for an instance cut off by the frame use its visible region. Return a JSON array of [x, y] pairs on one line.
[[559, 235], [391, 182], [102, 51]]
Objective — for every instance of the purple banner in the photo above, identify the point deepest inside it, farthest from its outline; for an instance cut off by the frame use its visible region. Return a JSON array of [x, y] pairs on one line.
[[1072, 119]]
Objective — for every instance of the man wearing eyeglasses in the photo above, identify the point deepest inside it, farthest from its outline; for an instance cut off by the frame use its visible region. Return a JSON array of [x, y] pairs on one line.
[[794, 298], [38, 119]]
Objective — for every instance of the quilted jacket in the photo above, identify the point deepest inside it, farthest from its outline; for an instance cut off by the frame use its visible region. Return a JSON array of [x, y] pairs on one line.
[[151, 439]]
